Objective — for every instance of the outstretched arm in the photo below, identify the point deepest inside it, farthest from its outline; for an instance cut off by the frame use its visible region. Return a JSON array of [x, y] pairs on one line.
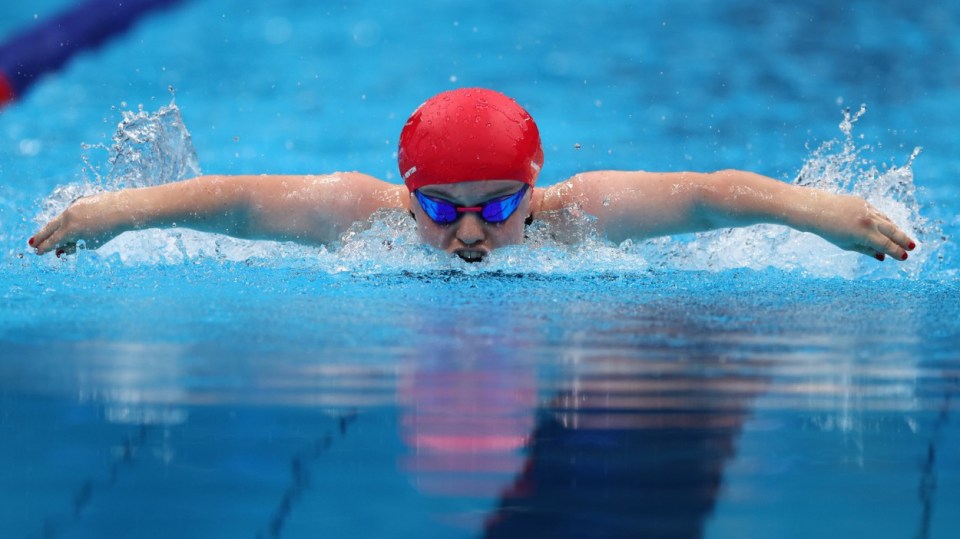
[[643, 204], [306, 209]]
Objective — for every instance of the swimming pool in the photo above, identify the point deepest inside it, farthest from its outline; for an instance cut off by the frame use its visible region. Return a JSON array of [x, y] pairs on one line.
[[747, 384]]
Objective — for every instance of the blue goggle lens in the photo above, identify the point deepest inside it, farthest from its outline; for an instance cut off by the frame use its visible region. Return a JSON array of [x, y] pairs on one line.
[[493, 211]]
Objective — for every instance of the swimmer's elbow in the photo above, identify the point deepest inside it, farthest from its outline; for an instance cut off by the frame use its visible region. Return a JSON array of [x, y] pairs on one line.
[[225, 204], [741, 198], [715, 199]]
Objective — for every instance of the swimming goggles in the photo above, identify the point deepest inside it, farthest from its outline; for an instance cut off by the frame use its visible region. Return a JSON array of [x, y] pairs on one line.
[[493, 211]]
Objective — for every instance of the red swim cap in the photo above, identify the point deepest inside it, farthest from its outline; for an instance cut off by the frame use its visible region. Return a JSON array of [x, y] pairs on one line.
[[466, 135]]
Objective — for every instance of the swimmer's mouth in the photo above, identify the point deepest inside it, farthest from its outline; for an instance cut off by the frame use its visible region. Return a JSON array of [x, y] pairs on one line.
[[471, 255]]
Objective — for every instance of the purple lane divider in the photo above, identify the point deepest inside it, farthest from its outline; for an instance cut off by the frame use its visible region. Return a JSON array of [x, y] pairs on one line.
[[46, 46]]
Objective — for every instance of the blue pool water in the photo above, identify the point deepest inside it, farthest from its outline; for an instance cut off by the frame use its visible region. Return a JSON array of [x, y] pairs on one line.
[[754, 383]]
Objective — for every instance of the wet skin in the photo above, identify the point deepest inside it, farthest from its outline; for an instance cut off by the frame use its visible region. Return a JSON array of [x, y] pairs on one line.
[[470, 237], [317, 210]]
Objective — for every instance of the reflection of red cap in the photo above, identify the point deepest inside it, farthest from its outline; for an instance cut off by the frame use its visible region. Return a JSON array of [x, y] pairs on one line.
[[466, 135], [465, 428]]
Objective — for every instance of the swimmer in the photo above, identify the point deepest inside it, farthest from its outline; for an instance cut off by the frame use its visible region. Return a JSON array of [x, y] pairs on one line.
[[469, 159]]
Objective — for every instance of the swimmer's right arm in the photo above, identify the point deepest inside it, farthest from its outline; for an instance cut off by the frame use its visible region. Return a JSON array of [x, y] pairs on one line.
[[313, 210]]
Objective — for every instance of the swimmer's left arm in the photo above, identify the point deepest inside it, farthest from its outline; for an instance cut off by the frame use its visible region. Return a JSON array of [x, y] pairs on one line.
[[641, 205]]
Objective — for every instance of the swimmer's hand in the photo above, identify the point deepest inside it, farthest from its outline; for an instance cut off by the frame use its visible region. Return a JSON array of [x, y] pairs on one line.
[[852, 223], [92, 219], [739, 198]]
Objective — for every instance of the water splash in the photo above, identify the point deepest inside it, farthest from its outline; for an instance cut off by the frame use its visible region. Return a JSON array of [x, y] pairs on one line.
[[836, 166], [151, 149], [147, 149]]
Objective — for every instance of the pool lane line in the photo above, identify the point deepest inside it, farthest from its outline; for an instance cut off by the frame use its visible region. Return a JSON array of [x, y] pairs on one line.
[[48, 45], [928, 473], [300, 475], [132, 443]]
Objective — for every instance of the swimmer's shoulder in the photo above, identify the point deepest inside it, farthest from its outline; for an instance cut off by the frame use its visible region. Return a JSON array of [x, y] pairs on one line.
[[564, 193], [377, 192], [585, 188], [360, 191]]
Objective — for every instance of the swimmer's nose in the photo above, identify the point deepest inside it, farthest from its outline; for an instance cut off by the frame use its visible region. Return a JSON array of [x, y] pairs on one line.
[[470, 229]]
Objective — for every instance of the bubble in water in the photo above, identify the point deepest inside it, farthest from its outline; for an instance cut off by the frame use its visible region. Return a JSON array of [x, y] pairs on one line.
[[277, 30], [30, 147], [366, 33]]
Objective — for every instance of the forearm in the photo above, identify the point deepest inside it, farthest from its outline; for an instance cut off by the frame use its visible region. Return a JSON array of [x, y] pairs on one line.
[[207, 203], [732, 198]]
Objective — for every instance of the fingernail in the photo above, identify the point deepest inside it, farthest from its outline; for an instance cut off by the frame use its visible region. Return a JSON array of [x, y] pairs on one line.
[[912, 246], [30, 243], [880, 256], [904, 257]]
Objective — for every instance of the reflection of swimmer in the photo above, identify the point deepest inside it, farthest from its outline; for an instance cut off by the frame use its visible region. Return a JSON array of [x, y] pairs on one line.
[[627, 456], [469, 159]]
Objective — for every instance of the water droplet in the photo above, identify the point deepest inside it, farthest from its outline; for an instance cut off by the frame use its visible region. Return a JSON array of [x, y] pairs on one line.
[[30, 147]]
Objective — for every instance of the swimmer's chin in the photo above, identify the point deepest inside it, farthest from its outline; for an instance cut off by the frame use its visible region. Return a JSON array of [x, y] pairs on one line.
[[471, 255]]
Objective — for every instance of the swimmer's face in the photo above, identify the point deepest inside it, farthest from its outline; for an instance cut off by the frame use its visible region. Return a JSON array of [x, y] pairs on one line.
[[470, 237]]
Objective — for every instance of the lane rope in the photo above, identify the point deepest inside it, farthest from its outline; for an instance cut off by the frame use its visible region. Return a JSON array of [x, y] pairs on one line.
[[48, 45]]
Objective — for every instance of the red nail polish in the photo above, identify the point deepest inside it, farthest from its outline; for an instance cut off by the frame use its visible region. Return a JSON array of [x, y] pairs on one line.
[[904, 257], [30, 243], [880, 256], [912, 246]]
